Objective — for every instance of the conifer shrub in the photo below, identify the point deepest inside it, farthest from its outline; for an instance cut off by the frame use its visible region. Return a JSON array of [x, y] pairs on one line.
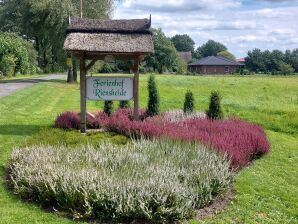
[[153, 100], [124, 104], [188, 103], [215, 112], [108, 107]]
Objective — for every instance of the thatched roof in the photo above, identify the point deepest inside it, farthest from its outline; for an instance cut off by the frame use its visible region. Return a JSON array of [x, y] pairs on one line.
[[133, 26], [109, 36], [109, 43]]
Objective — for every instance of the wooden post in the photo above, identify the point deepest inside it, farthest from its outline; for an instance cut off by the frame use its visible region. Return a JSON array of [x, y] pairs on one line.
[[83, 72], [136, 88]]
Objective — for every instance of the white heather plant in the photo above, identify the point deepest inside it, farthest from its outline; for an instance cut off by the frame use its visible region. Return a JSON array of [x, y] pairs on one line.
[[149, 180], [179, 115]]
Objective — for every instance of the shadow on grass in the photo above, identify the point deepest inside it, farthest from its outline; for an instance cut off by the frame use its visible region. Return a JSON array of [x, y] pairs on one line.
[[20, 129]]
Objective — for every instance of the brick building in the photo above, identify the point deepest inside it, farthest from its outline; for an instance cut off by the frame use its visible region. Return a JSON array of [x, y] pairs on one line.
[[214, 65]]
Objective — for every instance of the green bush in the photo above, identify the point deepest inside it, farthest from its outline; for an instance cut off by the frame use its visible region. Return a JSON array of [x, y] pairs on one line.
[[22, 51], [286, 69], [142, 70], [108, 107], [155, 181], [246, 72], [97, 67], [181, 66], [215, 112], [124, 104], [153, 100], [58, 137], [8, 65], [188, 102], [107, 68]]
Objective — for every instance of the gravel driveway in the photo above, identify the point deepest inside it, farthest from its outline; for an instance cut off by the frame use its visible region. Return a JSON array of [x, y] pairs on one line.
[[10, 86]]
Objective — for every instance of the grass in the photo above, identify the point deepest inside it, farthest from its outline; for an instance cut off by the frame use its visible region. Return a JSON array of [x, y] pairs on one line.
[[266, 192]]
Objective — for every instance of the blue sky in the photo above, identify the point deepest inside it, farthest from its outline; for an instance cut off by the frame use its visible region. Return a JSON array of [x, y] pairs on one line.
[[240, 24]]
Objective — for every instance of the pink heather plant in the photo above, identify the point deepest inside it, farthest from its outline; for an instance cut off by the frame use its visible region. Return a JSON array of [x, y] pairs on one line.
[[239, 140], [68, 120]]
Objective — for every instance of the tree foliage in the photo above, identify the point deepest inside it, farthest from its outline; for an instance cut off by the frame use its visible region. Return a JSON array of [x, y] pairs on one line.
[[183, 42], [16, 55], [181, 66], [44, 22], [210, 48], [286, 69], [108, 107], [275, 62], [291, 58], [227, 54], [124, 104], [165, 54]]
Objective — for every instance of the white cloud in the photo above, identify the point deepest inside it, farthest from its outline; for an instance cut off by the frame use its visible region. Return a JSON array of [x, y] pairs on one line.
[[239, 26], [175, 6]]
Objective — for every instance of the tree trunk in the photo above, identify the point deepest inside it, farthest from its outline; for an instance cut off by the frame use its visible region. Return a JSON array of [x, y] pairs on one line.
[[75, 69], [70, 76]]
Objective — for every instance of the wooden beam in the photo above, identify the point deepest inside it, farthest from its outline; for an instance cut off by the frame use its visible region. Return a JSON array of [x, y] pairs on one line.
[[136, 88], [101, 55], [83, 73], [91, 64]]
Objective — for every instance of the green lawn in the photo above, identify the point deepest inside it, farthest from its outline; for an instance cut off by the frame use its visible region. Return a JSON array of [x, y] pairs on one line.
[[266, 191]]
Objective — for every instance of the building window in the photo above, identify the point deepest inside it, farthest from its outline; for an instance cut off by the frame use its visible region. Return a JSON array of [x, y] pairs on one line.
[[227, 69]]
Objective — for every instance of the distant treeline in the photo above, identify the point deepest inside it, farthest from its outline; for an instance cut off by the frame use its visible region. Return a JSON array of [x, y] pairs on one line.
[[274, 62]]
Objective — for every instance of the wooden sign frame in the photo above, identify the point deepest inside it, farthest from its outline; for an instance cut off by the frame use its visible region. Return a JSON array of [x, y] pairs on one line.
[[83, 75]]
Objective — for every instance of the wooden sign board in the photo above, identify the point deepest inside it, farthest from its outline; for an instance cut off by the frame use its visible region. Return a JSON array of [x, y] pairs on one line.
[[109, 88]]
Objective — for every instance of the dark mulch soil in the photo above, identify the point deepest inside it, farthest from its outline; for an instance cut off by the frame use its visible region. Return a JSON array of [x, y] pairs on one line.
[[219, 205]]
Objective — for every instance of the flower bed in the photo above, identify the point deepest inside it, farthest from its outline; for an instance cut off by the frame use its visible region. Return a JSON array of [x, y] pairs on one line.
[[239, 140], [146, 180]]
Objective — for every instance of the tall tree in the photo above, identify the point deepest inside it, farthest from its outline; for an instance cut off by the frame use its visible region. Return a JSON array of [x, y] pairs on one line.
[[291, 58], [277, 57], [183, 42], [44, 22], [254, 61], [211, 48], [165, 54], [227, 55]]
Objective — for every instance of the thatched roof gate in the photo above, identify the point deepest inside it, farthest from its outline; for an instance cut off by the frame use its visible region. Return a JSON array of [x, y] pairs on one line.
[[90, 39]]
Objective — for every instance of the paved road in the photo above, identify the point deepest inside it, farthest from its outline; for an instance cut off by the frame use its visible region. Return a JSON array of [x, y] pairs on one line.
[[10, 86]]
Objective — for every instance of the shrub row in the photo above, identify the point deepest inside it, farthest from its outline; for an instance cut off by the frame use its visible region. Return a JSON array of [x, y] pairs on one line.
[[239, 140], [146, 180]]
